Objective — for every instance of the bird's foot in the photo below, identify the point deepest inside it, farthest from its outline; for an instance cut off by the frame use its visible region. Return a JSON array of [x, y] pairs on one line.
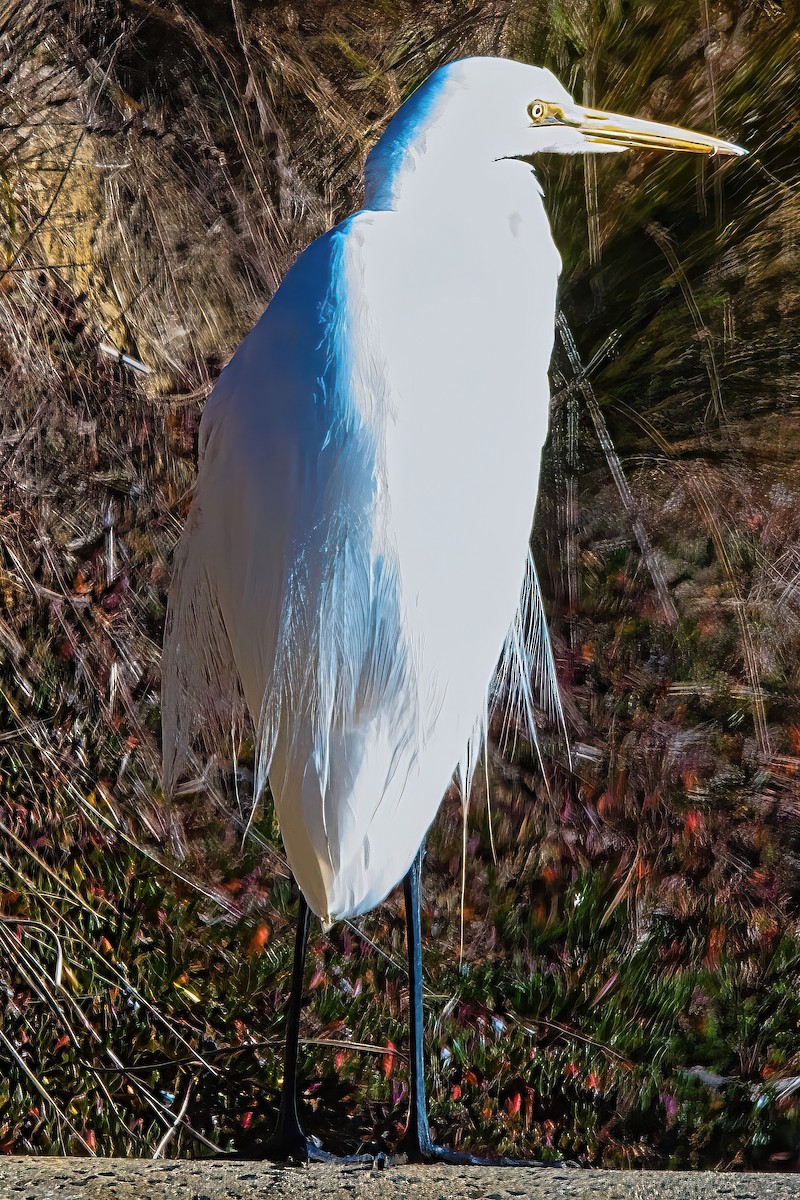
[[294, 1149]]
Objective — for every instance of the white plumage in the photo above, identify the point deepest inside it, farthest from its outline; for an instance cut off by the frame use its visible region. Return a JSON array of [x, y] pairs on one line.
[[356, 555]]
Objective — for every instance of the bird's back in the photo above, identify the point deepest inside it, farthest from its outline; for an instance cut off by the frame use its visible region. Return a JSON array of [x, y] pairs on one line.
[[357, 542]]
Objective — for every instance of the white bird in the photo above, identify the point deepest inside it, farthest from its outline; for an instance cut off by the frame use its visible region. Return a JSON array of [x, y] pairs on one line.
[[356, 559]]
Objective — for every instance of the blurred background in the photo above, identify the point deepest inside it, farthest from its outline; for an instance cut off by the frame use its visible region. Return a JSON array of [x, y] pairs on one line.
[[629, 992]]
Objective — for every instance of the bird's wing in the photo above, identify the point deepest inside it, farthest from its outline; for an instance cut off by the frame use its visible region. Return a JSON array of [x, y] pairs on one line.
[[317, 578], [283, 600]]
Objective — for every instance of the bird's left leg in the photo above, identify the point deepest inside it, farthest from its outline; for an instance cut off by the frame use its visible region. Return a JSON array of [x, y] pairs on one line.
[[289, 1143], [417, 1144]]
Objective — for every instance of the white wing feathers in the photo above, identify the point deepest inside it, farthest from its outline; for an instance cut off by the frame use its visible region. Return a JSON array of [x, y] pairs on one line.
[[288, 603], [201, 698], [526, 676]]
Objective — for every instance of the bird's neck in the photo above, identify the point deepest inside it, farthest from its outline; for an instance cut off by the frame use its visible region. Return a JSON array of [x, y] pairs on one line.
[[438, 158], [438, 187]]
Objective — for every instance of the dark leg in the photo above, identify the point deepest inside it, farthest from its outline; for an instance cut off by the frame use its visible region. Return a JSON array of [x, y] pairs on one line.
[[417, 1143], [290, 1132], [289, 1143], [417, 1140]]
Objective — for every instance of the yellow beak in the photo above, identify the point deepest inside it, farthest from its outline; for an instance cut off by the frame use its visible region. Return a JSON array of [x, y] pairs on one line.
[[610, 128], [622, 133]]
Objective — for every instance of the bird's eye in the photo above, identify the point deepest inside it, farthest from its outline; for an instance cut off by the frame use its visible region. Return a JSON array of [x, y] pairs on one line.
[[536, 110]]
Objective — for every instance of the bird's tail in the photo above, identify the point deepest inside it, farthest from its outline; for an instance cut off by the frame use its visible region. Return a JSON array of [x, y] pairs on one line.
[[524, 686], [526, 676]]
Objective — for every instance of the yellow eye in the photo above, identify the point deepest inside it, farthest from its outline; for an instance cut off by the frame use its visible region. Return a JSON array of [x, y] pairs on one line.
[[537, 110]]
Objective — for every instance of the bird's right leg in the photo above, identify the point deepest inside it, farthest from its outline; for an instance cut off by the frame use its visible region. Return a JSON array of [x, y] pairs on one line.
[[417, 1144]]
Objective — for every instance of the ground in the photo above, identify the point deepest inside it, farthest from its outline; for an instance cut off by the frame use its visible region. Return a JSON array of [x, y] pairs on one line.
[[131, 1179]]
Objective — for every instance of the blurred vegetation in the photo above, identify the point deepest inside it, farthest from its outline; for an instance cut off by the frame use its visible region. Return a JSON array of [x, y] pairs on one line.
[[630, 987]]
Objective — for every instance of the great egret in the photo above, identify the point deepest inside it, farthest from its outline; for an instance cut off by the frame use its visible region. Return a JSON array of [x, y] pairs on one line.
[[356, 555]]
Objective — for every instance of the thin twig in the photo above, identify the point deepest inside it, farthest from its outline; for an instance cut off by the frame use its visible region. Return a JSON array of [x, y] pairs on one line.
[[43, 1092], [173, 1129]]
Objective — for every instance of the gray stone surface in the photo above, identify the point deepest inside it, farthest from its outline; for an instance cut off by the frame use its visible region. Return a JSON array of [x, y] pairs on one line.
[[128, 1179]]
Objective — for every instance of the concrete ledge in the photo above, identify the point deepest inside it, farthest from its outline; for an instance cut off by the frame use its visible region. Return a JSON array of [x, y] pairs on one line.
[[130, 1179]]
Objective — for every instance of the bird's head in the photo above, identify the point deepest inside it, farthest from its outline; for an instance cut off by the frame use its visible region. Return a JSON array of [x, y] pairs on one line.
[[481, 110]]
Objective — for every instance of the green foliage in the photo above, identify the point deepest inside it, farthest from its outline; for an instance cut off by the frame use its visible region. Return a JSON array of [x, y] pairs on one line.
[[628, 992]]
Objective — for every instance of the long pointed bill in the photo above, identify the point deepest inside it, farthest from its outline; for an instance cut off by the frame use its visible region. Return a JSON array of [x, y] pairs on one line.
[[611, 129], [621, 133]]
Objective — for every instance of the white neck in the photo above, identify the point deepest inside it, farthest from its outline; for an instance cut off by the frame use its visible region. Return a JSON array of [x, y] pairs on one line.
[[438, 161]]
